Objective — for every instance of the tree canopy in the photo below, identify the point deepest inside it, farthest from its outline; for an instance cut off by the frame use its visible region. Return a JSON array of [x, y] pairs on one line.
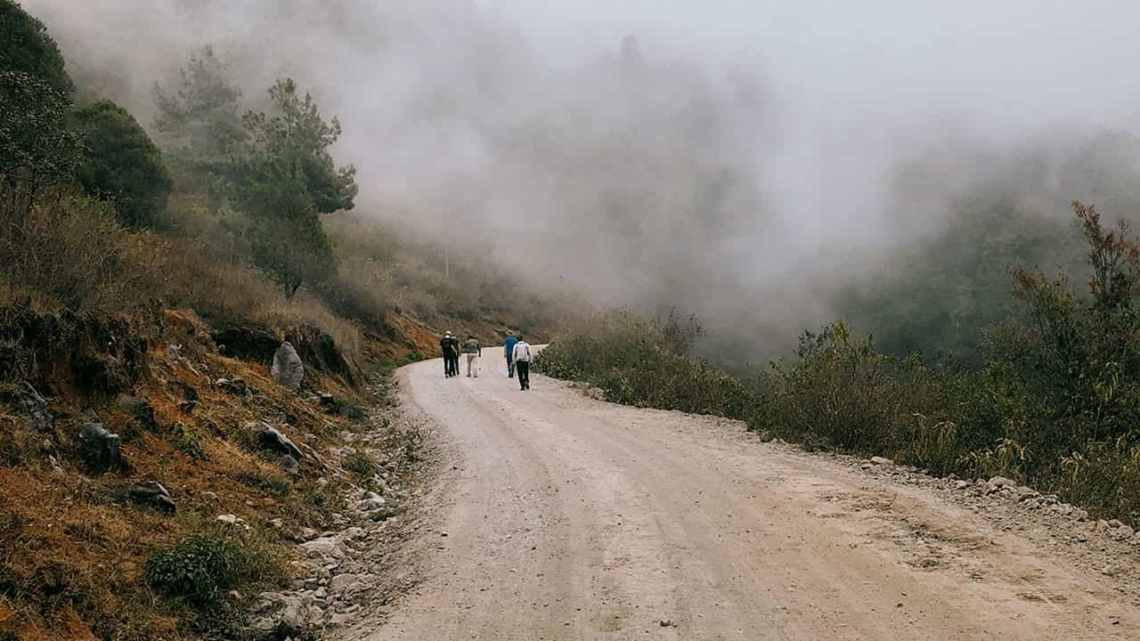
[[119, 162], [283, 179], [27, 48], [36, 147], [199, 118], [293, 142]]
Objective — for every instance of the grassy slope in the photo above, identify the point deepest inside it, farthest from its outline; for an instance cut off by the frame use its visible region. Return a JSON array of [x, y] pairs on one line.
[[95, 323], [74, 551]]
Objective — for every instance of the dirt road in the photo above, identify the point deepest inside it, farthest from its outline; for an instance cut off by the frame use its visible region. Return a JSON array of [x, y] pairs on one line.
[[568, 518]]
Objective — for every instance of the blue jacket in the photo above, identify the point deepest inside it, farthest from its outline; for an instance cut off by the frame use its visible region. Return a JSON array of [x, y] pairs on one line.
[[509, 344]]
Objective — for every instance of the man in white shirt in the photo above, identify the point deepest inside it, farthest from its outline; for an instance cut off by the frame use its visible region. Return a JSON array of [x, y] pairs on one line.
[[522, 362]]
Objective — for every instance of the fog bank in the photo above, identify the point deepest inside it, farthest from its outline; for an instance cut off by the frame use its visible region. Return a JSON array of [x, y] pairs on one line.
[[742, 160]]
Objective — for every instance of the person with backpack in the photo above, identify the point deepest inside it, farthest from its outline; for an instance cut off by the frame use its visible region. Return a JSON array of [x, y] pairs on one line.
[[509, 350], [522, 356], [473, 351], [450, 348]]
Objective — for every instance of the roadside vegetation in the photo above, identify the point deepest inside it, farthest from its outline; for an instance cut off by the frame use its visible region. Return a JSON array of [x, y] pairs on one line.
[[1054, 401], [645, 363]]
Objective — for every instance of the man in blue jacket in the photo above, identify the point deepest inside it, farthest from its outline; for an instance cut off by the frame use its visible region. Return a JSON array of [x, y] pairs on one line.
[[509, 349]]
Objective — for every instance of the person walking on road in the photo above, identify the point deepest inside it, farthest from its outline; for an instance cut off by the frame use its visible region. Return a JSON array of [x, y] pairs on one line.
[[454, 355], [509, 350], [473, 351], [522, 356], [450, 348]]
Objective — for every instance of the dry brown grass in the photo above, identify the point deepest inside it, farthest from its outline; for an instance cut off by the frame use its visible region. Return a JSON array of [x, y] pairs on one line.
[[71, 254], [72, 555]]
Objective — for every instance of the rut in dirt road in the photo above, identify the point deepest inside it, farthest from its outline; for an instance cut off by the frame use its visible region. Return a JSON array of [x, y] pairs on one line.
[[569, 518]]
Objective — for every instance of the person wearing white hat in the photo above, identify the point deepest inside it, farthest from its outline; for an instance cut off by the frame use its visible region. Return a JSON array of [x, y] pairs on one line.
[[450, 347]]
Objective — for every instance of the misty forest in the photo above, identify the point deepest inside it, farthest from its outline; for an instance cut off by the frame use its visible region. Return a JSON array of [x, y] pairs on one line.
[[941, 276]]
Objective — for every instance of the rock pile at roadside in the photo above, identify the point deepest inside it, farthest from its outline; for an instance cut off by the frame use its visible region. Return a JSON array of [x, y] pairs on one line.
[[342, 573]]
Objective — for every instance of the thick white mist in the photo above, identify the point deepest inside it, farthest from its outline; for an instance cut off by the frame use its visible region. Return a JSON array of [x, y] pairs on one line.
[[744, 169]]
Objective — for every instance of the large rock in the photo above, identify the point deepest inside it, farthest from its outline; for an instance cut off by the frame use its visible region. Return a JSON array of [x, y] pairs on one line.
[[36, 413], [999, 483], [326, 401], [371, 504], [342, 582], [235, 386], [290, 465], [140, 409], [1064, 509], [319, 351], [152, 494], [269, 438], [328, 546], [286, 617], [102, 450], [288, 369], [231, 519], [247, 344], [1025, 494]]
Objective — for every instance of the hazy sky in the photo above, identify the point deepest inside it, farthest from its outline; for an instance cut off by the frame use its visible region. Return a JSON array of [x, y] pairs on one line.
[[991, 62], [750, 163]]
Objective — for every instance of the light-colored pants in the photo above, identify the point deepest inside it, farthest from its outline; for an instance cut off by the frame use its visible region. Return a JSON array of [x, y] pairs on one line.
[[473, 364]]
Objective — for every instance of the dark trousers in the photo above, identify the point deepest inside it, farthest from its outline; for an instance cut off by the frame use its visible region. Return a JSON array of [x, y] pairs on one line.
[[524, 374], [510, 367], [450, 364]]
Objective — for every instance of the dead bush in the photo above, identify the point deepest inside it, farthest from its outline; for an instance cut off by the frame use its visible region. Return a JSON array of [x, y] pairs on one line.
[[70, 254]]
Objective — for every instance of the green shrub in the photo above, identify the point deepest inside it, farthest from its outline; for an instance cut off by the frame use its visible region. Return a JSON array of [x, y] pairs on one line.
[[346, 408], [273, 483], [200, 569], [120, 163], [361, 465], [1105, 477], [189, 442], [27, 48], [644, 363], [841, 391]]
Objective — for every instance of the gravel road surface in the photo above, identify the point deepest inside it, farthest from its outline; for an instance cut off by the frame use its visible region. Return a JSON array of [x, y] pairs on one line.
[[563, 517]]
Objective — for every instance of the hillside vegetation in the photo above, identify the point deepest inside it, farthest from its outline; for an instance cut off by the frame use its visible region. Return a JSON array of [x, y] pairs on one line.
[[152, 273], [1053, 402]]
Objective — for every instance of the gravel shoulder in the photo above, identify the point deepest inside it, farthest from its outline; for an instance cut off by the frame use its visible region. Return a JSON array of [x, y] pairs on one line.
[[556, 516]]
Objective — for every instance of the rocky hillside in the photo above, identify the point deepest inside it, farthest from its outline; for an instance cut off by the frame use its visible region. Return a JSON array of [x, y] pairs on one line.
[[155, 479]]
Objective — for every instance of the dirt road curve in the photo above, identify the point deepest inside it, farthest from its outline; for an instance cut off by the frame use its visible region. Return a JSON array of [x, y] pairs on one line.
[[574, 519]]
